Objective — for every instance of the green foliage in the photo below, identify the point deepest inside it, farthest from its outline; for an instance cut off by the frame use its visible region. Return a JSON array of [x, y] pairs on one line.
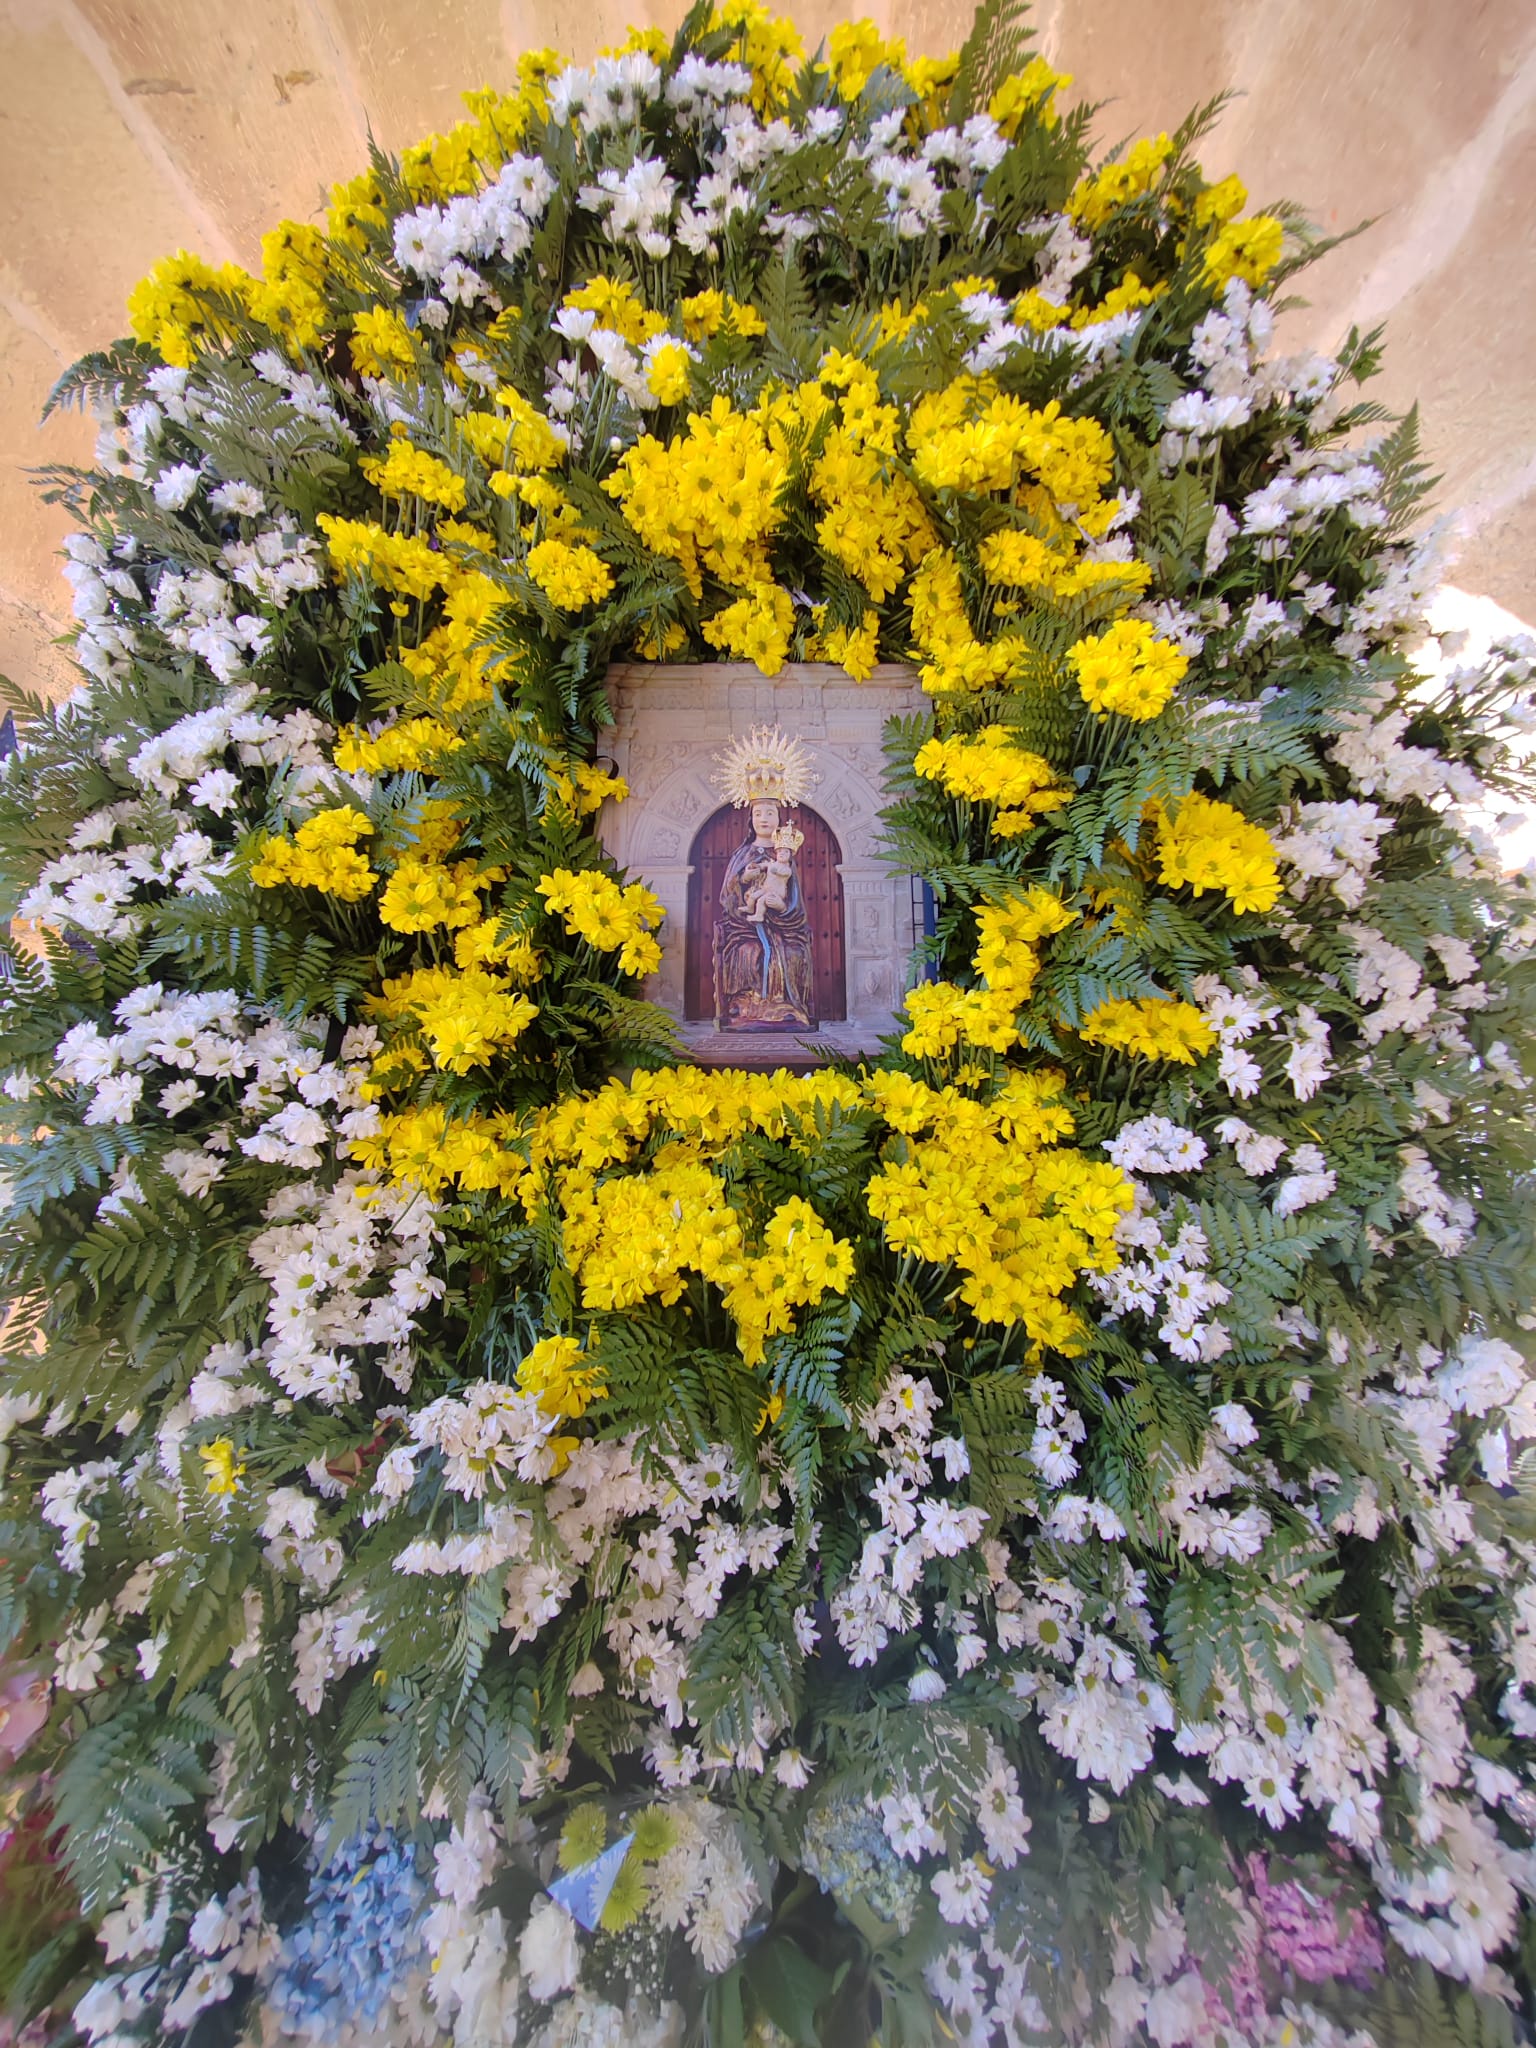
[[806, 1366], [234, 943], [377, 1784], [744, 1666], [128, 1782], [1413, 2006], [996, 46], [997, 1420]]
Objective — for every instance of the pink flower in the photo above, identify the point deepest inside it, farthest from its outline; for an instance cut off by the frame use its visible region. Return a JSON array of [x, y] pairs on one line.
[[23, 1709], [1307, 1935]]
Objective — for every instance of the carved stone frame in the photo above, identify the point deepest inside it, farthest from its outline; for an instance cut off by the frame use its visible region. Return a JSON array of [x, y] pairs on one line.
[[671, 719]]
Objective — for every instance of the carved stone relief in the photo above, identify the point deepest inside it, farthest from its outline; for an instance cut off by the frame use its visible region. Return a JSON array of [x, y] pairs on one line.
[[670, 724]]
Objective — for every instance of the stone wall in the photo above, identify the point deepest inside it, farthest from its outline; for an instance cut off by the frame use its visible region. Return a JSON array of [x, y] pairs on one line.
[[129, 128]]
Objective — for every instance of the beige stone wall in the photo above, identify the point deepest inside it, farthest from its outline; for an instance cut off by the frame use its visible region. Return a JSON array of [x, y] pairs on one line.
[[132, 127]]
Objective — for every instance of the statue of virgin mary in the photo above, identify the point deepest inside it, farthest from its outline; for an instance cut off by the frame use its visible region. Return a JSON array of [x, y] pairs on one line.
[[764, 964]]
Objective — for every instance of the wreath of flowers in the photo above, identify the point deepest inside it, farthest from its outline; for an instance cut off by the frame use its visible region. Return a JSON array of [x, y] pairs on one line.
[[512, 1537]]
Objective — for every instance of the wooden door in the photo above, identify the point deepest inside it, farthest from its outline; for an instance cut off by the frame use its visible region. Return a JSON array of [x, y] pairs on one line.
[[820, 884]]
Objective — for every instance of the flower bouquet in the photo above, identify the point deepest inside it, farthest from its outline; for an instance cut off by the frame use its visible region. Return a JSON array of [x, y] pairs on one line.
[[1025, 1538]]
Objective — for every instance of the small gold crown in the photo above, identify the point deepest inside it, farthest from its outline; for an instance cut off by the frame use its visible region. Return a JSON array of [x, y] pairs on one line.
[[766, 766]]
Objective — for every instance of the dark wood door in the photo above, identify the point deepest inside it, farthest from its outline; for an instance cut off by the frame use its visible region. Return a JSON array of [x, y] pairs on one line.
[[821, 886]]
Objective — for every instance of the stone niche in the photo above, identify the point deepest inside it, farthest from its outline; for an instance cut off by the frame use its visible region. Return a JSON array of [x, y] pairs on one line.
[[676, 832]]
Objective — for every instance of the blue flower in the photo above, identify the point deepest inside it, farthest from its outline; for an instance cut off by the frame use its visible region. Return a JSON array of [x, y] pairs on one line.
[[846, 1851], [361, 1935]]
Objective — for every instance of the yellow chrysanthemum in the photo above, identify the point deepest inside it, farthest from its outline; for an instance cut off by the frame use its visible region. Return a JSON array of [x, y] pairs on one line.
[[571, 577], [1127, 669], [1209, 845], [1153, 1027], [1249, 249]]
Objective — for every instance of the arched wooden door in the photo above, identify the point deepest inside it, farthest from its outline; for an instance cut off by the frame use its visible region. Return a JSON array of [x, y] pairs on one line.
[[821, 885]]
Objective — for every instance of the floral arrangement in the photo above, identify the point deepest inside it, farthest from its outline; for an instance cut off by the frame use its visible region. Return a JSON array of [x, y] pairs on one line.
[[510, 1537]]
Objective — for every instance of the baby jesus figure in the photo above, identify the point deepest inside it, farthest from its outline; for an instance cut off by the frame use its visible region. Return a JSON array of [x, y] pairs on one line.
[[772, 892]]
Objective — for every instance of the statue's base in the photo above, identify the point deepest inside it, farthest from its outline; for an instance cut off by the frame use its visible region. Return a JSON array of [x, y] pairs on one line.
[[800, 1052]]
